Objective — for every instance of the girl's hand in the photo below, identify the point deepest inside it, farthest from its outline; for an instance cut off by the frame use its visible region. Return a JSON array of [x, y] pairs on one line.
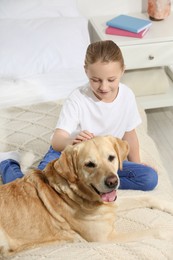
[[83, 136]]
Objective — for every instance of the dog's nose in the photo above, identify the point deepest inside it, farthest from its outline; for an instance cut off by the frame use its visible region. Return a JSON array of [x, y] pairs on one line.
[[111, 181]]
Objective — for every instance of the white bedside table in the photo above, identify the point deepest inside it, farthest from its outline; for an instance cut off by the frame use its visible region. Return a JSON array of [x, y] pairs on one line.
[[154, 50]]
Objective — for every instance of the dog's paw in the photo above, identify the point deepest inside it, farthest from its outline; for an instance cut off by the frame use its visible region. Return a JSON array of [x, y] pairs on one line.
[[163, 205], [157, 203], [164, 234]]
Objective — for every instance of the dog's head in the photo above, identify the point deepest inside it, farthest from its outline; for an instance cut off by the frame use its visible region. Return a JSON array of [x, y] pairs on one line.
[[90, 167]]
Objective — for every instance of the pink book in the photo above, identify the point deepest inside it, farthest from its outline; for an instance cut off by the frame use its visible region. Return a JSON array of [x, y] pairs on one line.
[[120, 32]]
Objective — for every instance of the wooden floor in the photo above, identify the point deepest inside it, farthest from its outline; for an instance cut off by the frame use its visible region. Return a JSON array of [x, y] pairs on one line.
[[160, 128]]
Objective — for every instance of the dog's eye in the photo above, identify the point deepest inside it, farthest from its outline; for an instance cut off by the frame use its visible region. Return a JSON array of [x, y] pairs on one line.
[[111, 158], [90, 165]]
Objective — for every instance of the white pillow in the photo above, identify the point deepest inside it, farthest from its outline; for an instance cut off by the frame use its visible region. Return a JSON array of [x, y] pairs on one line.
[[29, 47], [29, 9]]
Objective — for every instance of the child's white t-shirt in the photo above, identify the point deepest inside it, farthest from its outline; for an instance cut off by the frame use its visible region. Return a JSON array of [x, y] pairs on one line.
[[84, 111]]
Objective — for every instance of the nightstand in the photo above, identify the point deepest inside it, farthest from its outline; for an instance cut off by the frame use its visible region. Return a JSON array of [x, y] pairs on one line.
[[155, 49]]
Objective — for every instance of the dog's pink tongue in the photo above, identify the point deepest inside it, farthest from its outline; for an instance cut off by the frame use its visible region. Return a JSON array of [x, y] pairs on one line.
[[110, 196]]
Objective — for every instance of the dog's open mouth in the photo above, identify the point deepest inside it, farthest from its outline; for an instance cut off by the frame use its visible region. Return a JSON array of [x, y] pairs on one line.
[[108, 196]]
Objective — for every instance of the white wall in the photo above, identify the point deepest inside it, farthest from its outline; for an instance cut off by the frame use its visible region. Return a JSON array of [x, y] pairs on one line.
[[108, 7]]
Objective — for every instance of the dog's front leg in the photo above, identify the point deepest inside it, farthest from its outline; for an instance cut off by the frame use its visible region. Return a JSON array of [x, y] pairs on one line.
[[160, 233]]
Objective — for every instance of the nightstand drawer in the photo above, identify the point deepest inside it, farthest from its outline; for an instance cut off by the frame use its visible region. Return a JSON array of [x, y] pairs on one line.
[[148, 55]]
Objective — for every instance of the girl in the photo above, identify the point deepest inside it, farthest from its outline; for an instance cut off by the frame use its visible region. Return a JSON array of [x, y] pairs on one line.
[[103, 107]]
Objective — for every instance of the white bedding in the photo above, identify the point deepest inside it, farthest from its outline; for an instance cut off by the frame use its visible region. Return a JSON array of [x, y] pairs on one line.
[[39, 46], [60, 84], [42, 50], [41, 87], [29, 9]]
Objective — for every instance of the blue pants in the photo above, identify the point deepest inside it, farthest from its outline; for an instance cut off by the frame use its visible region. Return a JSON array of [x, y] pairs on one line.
[[133, 176]]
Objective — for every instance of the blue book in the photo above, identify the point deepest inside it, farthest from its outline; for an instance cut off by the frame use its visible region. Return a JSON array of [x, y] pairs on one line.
[[129, 23]]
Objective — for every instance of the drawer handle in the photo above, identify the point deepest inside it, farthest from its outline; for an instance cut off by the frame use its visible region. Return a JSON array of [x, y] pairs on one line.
[[151, 57]]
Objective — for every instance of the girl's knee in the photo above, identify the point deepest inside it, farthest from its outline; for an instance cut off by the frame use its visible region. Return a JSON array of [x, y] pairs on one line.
[[151, 179], [137, 177]]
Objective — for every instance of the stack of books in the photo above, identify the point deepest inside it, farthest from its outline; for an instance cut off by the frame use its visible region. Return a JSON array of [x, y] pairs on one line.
[[129, 26]]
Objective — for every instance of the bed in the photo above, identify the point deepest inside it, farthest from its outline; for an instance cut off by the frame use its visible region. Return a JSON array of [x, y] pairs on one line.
[[41, 62], [42, 50]]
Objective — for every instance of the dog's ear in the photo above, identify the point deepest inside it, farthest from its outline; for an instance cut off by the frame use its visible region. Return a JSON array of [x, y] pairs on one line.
[[122, 149], [66, 164]]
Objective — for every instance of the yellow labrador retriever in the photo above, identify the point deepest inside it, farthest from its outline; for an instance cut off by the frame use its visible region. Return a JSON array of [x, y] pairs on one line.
[[72, 199]]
